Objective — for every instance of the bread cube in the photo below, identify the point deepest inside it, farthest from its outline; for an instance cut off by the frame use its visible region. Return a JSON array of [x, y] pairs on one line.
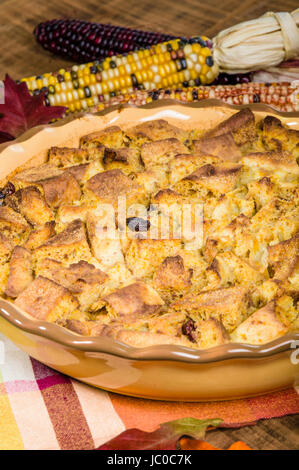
[[144, 256], [160, 152], [222, 146], [241, 125], [133, 301], [20, 272], [261, 327], [156, 129], [109, 137], [46, 300], [68, 246], [31, 204], [228, 305]]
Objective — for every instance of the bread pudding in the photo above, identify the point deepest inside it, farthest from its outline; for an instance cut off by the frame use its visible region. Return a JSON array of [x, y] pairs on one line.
[[157, 235]]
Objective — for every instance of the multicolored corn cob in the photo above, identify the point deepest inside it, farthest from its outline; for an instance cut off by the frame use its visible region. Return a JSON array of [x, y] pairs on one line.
[[281, 96], [175, 63], [83, 41]]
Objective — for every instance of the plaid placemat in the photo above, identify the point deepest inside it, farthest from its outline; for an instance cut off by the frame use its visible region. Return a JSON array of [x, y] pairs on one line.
[[42, 409]]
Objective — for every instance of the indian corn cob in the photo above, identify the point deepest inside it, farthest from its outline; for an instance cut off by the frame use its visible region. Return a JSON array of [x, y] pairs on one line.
[[281, 96], [83, 41], [178, 63]]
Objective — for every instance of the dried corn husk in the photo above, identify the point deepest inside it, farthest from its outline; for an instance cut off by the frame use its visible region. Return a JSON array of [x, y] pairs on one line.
[[258, 44]]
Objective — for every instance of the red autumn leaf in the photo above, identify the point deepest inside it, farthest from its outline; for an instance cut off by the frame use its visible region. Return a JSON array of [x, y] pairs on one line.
[[21, 111], [163, 438], [4, 137]]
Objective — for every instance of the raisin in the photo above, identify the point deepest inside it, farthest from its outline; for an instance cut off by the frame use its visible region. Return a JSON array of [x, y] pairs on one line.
[[137, 224], [9, 189], [188, 329]]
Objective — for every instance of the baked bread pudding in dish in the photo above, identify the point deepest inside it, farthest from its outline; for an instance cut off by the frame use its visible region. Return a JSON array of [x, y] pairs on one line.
[[157, 235]]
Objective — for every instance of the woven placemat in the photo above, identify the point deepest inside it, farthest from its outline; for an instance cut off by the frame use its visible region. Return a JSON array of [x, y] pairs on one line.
[[21, 56]]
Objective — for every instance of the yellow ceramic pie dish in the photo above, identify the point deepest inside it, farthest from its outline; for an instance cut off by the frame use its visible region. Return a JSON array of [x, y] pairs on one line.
[[171, 372]]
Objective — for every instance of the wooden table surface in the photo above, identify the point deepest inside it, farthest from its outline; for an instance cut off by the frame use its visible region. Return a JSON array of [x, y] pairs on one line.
[[21, 56]]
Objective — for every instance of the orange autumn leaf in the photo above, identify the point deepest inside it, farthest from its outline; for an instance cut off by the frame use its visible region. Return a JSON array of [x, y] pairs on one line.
[[187, 443], [195, 444], [239, 445]]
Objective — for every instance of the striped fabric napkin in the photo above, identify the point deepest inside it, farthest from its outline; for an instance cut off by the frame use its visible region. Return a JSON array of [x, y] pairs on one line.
[[43, 409]]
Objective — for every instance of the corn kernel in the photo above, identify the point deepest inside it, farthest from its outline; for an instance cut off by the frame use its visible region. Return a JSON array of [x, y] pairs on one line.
[[89, 102], [139, 77], [78, 105], [122, 82], [52, 80], [104, 87], [205, 51]]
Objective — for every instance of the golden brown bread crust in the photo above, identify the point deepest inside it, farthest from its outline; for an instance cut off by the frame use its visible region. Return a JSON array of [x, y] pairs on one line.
[[126, 159], [69, 212], [64, 156], [261, 327], [144, 256], [241, 125], [228, 269], [70, 245], [40, 235], [134, 301], [156, 130], [6, 247], [273, 161], [79, 171], [12, 224], [110, 137], [160, 152], [151, 180], [211, 333], [46, 300], [167, 196], [283, 257], [228, 305], [225, 238], [61, 189], [277, 137], [82, 279], [222, 146], [75, 277], [106, 187], [20, 271], [172, 274], [31, 204], [73, 234], [184, 164], [35, 175], [219, 178]]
